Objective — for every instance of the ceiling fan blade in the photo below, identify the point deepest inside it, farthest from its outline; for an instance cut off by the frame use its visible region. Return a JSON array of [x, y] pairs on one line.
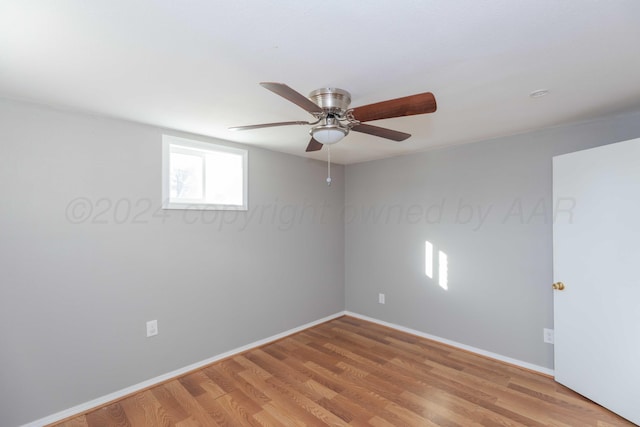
[[291, 95], [381, 132], [267, 125], [314, 145], [407, 106]]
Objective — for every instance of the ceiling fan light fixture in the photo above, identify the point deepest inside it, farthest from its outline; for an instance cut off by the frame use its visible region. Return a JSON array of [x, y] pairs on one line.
[[328, 134]]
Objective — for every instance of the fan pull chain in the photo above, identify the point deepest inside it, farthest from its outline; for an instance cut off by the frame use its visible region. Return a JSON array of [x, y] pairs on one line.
[[329, 165]]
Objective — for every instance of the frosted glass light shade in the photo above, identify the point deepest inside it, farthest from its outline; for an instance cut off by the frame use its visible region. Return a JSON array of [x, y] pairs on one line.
[[328, 135]]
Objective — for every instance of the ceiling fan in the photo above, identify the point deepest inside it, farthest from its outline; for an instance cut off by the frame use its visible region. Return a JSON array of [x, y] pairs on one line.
[[334, 119]]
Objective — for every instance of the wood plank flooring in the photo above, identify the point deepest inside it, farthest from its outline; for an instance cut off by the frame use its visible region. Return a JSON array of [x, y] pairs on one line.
[[348, 372]]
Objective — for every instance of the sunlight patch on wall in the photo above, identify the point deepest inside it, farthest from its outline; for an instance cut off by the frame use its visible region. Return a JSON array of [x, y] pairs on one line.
[[443, 265], [443, 270], [428, 259]]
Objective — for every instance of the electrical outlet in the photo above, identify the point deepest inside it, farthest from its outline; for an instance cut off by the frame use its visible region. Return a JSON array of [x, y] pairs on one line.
[[380, 298], [548, 336], [152, 328]]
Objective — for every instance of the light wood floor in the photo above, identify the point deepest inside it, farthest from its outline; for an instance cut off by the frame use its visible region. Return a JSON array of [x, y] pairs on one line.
[[351, 372]]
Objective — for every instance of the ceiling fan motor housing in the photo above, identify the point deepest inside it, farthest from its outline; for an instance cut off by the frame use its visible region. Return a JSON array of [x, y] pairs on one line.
[[332, 100]]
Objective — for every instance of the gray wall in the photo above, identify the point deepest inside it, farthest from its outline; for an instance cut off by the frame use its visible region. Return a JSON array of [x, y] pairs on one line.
[[488, 207], [74, 298]]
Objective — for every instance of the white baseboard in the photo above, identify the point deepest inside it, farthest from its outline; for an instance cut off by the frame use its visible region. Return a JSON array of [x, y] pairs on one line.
[[84, 407], [499, 357]]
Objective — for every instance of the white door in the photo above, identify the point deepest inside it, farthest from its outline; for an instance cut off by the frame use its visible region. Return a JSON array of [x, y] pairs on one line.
[[596, 255]]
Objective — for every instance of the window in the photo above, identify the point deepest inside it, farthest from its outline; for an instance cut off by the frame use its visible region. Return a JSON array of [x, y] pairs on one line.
[[199, 175]]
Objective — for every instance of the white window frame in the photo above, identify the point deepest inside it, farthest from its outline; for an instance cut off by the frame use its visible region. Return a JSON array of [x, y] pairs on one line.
[[168, 141]]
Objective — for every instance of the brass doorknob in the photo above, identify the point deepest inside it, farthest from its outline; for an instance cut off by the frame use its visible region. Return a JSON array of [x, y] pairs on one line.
[[558, 286]]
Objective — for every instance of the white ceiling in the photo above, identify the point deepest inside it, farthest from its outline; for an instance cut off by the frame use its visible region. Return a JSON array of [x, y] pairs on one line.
[[195, 65]]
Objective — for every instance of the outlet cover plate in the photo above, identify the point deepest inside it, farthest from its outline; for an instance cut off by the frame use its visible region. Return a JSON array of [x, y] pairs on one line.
[[152, 328]]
